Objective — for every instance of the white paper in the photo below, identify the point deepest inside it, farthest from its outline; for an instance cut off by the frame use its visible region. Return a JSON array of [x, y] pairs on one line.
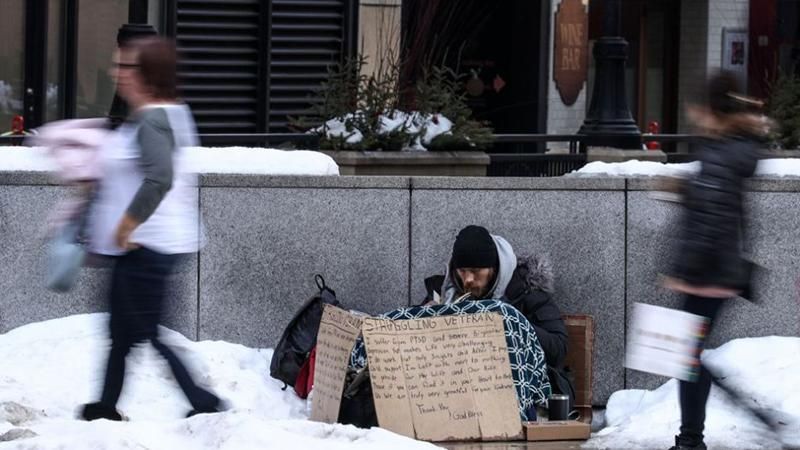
[[665, 341]]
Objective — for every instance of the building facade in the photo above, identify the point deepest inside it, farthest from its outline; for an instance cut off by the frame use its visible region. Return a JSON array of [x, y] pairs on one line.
[[246, 65], [250, 65]]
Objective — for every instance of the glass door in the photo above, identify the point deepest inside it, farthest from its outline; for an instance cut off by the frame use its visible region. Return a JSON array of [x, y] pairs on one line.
[[12, 69]]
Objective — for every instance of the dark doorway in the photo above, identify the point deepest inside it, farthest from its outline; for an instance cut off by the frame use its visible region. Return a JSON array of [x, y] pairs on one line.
[[499, 48], [652, 29]]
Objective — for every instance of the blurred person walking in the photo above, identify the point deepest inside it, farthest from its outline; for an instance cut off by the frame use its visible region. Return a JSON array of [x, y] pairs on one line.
[[145, 214], [709, 268]]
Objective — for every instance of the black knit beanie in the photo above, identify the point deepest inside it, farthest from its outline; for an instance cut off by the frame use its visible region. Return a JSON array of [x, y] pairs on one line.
[[474, 248]]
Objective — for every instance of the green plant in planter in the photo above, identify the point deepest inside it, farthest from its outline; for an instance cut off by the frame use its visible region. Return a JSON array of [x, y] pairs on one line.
[[365, 112], [783, 107], [440, 93]]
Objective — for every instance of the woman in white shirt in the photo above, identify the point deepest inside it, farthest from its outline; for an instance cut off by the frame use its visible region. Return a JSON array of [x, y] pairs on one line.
[[145, 214]]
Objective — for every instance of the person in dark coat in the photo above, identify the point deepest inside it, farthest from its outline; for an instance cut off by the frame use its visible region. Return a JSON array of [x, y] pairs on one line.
[[709, 268], [483, 266]]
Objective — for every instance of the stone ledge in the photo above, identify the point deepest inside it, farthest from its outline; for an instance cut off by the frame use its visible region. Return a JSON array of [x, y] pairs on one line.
[[612, 155], [519, 183], [758, 184], [409, 158], [458, 163], [27, 178], [221, 180]]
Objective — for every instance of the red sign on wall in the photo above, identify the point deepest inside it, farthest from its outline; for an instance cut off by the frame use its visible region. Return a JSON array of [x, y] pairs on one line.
[[571, 53]]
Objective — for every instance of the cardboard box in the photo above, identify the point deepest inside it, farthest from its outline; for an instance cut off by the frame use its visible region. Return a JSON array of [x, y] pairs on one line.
[[580, 329], [557, 431]]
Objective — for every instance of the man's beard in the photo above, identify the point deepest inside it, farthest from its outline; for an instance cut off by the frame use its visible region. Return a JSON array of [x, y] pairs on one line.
[[476, 292]]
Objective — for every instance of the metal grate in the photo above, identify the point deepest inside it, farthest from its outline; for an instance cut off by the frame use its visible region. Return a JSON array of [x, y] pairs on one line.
[[248, 65], [306, 38], [534, 165], [220, 46]]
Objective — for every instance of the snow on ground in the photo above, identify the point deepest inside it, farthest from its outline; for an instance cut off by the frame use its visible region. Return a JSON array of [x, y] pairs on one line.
[[781, 167], [48, 369], [764, 369], [202, 160]]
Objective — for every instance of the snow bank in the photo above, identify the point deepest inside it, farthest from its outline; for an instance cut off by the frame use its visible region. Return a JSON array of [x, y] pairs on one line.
[[780, 167], [50, 368], [202, 160], [763, 369]]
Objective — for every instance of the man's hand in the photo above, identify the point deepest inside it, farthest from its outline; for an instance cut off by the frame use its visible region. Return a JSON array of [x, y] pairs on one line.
[[123, 233]]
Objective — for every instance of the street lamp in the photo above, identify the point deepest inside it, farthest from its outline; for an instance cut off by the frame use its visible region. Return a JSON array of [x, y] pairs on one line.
[[609, 122]]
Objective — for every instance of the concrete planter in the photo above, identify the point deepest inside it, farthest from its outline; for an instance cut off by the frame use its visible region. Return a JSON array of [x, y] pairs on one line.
[[460, 164]]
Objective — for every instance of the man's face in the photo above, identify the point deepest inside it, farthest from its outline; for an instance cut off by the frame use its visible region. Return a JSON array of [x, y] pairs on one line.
[[476, 280]]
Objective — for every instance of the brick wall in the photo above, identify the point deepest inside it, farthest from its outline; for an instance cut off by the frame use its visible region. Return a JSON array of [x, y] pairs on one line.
[[701, 57], [724, 14]]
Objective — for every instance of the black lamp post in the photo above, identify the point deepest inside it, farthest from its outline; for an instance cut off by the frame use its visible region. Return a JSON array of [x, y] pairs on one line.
[[138, 27], [609, 122]]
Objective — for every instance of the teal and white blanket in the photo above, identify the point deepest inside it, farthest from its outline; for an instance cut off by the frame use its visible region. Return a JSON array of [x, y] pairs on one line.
[[525, 354]]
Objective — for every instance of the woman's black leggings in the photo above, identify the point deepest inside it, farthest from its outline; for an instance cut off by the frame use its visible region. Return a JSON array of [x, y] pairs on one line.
[[693, 396], [138, 287]]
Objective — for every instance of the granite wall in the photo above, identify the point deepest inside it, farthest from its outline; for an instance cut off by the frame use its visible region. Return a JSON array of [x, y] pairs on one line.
[[375, 239]]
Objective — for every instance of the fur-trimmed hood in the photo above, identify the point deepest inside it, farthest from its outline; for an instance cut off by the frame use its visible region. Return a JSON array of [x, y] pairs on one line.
[[537, 271]]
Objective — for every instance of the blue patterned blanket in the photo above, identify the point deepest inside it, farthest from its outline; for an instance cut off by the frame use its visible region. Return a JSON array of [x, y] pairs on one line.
[[525, 354]]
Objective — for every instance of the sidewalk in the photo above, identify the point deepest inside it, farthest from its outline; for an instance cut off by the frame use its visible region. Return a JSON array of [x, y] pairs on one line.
[[559, 445]]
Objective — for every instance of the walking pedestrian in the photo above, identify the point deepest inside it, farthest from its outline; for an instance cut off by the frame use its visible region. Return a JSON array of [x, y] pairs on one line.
[[145, 215], [709, 268]]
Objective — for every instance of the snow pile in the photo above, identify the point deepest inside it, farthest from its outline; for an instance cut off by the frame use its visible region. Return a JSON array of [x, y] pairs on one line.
[[425, 127], [781, 167], [763, 369], [50, 368], [263, 161]]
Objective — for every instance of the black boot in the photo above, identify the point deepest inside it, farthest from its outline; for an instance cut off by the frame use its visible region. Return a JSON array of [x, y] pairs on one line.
[[94, 411], [220, 406], [682, 444]]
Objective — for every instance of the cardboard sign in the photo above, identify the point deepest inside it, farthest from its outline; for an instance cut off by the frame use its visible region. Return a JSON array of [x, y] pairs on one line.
[[338, 331], [665, 342], [443, 378]]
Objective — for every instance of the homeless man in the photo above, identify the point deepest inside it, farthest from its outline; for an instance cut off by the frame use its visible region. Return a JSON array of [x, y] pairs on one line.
[[485, 267]]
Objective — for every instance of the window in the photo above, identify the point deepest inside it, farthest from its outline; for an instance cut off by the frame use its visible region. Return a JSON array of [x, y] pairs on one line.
[[54, 99], [12, 68], [98, 23]]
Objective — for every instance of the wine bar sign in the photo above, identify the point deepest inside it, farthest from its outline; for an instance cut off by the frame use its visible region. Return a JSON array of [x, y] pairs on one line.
[[571, 54]]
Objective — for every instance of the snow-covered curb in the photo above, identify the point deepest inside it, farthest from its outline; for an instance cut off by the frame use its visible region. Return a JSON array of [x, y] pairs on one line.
[[240, 160], [778, 167]]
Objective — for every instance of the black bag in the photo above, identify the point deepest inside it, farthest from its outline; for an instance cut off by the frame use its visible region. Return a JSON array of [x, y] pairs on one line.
[[300, 336], [358, 407]]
